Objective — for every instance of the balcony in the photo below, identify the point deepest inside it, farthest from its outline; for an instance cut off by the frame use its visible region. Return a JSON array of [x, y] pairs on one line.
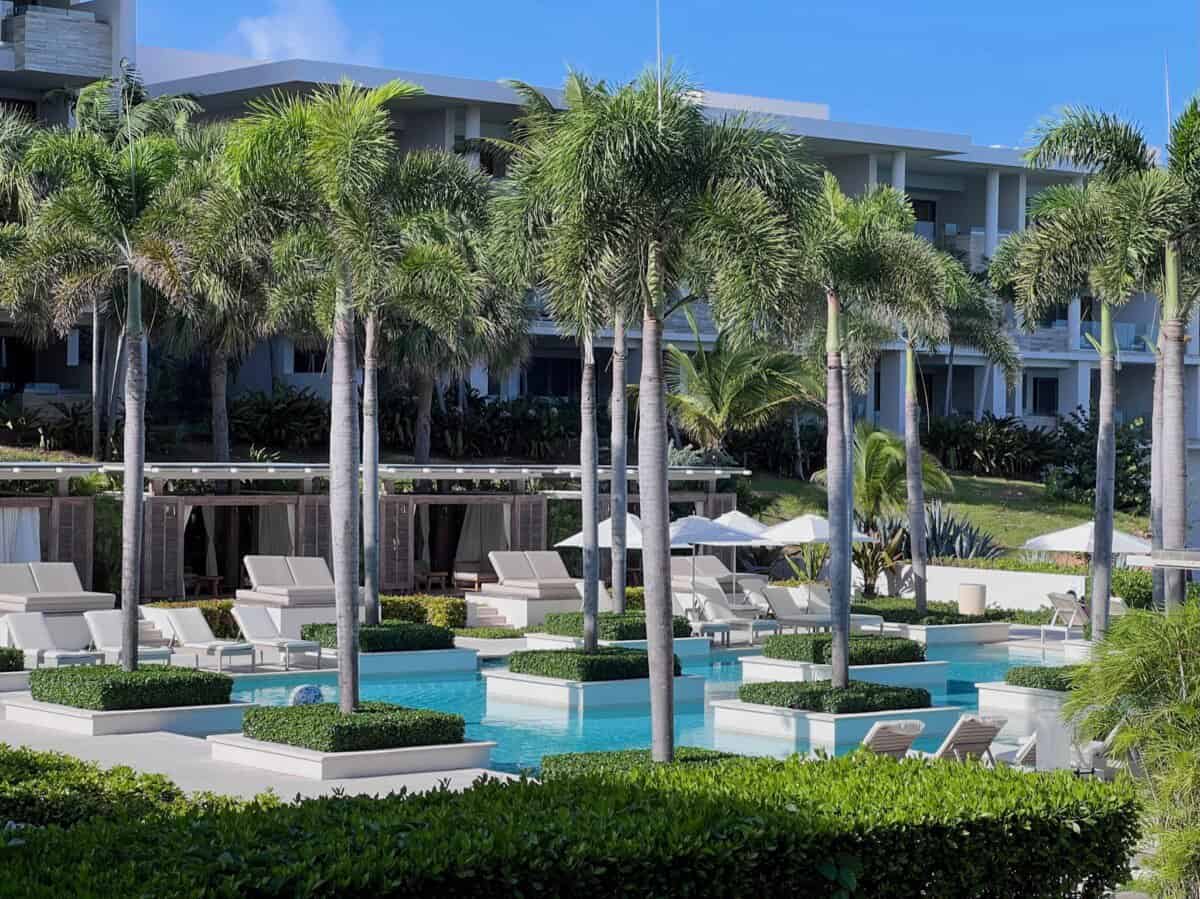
[[1133, 337], [54, 41]]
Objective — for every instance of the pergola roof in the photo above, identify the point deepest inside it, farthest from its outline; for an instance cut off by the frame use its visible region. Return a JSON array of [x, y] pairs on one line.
[[287, 471]]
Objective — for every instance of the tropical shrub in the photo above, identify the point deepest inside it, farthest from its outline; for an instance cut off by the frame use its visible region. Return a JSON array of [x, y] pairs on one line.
[[883, 555], [217, 612], [990, 446], [609, 625], [1042, 677], [1073, 478], [69, 428], [606, 663], [11, 659], [821, 696], [443, 611], [373, 725], [903, 610], [635, 599], [865, 649], [109, 688], [589, 764], [390, 636], [1135, 586], [947, 535], [286, 418]]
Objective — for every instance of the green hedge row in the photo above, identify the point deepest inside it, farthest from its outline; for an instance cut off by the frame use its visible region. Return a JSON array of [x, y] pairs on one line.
[[490, 633], [217, 612], [11, 659], [1011, 563], [860, 825], [821, 696], [421, 608], [391, 636], [609, 625], [1042, 678], [606, 663], [374, 725], [903, 610], [578, 764], [865, 649], [109, 688]]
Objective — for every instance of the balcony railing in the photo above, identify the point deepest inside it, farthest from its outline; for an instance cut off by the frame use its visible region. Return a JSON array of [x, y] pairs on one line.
[[1134, 337]]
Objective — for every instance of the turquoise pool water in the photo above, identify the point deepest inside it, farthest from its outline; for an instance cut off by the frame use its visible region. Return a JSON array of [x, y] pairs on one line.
[[524, 733]]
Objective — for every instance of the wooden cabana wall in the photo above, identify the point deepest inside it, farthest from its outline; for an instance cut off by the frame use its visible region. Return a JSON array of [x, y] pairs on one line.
[[66, 529]]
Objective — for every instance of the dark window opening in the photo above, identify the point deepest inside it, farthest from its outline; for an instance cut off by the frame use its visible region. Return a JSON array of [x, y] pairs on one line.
[[1045, 396], [553, 376], [308, 362]]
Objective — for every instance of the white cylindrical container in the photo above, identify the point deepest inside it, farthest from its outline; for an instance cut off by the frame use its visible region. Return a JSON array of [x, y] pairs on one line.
[[972, 599]]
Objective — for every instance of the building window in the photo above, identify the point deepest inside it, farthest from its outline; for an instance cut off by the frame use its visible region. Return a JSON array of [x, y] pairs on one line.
[[924, 210], [1045, 396], [308, 362], [553, 376], [495, 383]]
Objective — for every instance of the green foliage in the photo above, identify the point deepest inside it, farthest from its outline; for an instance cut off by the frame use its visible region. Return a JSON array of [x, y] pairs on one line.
[[47, 788], [821, 696], [865, 649], [217, 612], [390, 636], [990, 446], [11, 659], [883, 554], [106, 559], [903, 610], [287, 418], [606, 663], [108, 688], [1011, 563], [609, 625], [947, 535], [589, 764], [490, 633], [1042, 677], [635, 599], [443, 611], [1135, 586], [1074, 478], [879, 472], [373, 725]]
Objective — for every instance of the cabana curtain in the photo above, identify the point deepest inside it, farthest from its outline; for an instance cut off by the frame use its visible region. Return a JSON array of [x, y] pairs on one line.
[[20, 535]]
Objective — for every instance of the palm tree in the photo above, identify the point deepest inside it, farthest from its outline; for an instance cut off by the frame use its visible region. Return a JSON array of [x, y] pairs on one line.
[[729, 389], [1114, 149], [648, 194], [325, 159], [880, 472], [1107, 237]]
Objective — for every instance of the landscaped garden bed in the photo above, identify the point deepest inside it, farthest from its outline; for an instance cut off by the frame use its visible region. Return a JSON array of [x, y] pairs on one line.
[[564, 630], [400, 647], [820, 696], [873, 659], [13, 675], [942, 624]]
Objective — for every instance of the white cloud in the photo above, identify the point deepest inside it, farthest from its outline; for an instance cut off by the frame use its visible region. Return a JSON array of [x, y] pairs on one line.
[[303, 29]]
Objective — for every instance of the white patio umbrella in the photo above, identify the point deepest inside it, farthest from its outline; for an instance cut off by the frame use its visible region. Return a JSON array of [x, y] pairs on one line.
[[805, 529], [1082, 538], [740, 521], [633, 535], [696, 530]]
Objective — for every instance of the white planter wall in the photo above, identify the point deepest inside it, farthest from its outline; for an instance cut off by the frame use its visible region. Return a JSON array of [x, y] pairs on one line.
[[1005, 589], [685, 647], [582, 695], [518, 611], [196, 720], [1029, 711], [299, 762], [426, 661]]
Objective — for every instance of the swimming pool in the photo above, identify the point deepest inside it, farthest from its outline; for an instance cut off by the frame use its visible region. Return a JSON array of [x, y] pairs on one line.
[[524, 733]]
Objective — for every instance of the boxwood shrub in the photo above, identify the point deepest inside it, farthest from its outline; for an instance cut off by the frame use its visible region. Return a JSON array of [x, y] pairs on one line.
[[374, 725], [609, 625], [635, 599], [11, 659], [1042, 678], [391, 636], [217, 612], [821, 696], [606, 663], [422, 608], [860, 825], [904, 611], [865, 649], [577, 764], [490, 633], [106, 688]]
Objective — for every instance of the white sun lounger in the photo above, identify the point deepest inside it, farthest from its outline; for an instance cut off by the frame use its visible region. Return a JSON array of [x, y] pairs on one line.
[[713, 609], [970, 738], [539, 574], [29, 633], [804, 607], [47, 587], [893, 738], [712, 567], [105, 627], [193, 633], [604, 598], [1069, 612], [290, 581], [260, 630]]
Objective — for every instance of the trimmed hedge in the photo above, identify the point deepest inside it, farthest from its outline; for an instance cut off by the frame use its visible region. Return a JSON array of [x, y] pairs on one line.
[[606, 663], [635, 599], [1042, 678], [820, 696], [609, 625], [43, 788], [217, 612], [373, 725], [423, 608], [865, 649], [490, 633], [1010, 563], [862, 825], [577, 764], [106, 688], [904, 611], [391, 636], [11, 659]]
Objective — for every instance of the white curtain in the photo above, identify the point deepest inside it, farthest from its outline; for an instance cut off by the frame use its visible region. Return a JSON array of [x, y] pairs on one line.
[[276, 530], [485, 528], [20, 534]]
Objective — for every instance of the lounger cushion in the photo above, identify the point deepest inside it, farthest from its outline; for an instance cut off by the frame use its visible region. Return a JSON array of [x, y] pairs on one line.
[[547, 565], [268, 570], [309, 571], [531, 591], [16, 579], [510, 565], [56, 577]]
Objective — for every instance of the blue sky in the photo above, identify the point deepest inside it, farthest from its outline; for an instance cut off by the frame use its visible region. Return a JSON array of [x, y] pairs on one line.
[[950, 66]]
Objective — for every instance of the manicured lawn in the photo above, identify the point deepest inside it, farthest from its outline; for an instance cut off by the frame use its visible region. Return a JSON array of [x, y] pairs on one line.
[[1012, 511]]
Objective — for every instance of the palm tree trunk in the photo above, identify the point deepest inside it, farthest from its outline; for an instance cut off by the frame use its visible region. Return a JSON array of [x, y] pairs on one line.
[[1106, 465], [838, 509], [118, 362], [654, 503], [1156, 474], [798, 462], [848, 430], [589, 487], [1174, 452], [218, 387], [370, 470], [343, 492], [422, 433], [619, 461], [947, 406], [134, 459], [912, 472], [97, 375]]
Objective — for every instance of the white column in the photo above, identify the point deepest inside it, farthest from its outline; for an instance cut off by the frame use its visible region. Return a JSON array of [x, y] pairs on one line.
[[991, 215], [870, 398], [1075, 389], [1073, 325], [1019, 395], [478, 379], [999, 392], [1193, 334], [981, 375], [1022, 201], [899, 170], [872, 171], [472, 133], [450, 134], [891, 387]]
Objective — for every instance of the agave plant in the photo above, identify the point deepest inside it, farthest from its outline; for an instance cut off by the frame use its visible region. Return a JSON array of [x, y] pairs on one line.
[[952, 537]]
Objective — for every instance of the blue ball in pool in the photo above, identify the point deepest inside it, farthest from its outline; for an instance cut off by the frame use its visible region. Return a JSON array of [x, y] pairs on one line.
[[305, 694]]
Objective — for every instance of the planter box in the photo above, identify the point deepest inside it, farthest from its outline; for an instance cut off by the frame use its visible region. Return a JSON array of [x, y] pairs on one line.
[[1077, 651], [299, 762], [14, 681], [950, 634], [685, 647], [820, 730], [421, 661], [530, 688], [519, 611], [195, 720], [1030, 710], [928, 675]]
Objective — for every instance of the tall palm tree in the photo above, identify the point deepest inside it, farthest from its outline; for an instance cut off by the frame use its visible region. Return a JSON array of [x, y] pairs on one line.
[[1107, 237], [324, 159], [881, 472], [649, 194]]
